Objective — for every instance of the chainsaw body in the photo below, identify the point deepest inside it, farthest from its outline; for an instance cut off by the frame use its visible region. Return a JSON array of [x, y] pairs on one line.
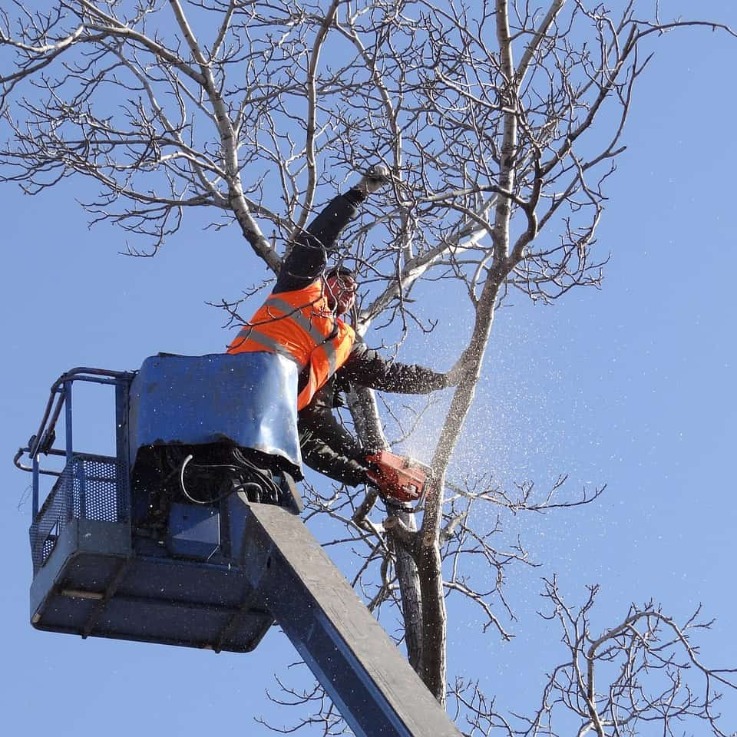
[[398, 478]]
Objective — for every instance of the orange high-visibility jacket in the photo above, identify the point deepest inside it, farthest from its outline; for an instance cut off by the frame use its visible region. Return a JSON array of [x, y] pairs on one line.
[[300, 325]]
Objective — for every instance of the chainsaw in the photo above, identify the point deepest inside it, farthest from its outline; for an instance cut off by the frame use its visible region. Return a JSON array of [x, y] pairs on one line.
[[399, 479]]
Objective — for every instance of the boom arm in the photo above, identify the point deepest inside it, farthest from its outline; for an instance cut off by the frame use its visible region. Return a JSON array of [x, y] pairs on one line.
[[375, 688]]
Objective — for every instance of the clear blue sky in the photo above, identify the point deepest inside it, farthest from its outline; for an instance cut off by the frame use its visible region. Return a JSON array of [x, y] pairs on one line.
[[632, 386]]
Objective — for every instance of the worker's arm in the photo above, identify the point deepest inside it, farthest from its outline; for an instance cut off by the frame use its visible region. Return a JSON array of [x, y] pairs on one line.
[[326, 445], [365, 367], [307, 258]]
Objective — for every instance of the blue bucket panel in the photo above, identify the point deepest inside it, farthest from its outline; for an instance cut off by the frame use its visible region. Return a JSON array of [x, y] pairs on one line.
[[249, 399]]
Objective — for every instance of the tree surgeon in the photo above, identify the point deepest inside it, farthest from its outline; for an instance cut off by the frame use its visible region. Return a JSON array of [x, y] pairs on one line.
[[303, 319]]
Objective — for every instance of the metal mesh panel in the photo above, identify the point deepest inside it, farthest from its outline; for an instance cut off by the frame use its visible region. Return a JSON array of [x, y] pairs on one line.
[[90, 487], [95, 490], [50, 521]]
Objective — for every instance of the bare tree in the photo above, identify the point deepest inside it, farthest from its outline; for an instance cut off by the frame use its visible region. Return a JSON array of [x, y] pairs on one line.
[[613, 683], [617, 681], [500, 122]]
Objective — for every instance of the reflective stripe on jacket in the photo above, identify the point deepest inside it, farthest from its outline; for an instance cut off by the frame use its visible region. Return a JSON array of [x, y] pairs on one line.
[[299, 325]]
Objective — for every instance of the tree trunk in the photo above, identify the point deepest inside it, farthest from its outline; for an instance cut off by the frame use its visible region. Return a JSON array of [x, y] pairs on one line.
[[369, 429], [434, 662], [410, 591]]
